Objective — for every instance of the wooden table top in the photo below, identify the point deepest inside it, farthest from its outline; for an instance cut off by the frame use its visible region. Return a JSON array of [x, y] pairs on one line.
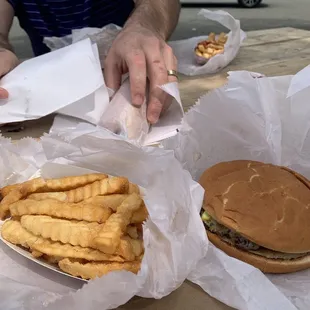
[[273, 52]]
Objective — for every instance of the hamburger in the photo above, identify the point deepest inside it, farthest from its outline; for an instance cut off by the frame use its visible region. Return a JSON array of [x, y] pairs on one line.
[[258, 213]]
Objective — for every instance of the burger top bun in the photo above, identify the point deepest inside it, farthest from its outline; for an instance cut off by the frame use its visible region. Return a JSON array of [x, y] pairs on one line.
[[267, 204]]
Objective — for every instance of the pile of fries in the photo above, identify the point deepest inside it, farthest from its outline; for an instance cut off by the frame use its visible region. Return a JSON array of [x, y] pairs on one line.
[[88, 225], [211, 47]]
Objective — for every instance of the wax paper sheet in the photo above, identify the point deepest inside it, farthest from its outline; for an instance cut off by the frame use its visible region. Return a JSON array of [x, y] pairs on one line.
[[129, 122], [257, 118], [173, 236], [78, 90], [68, 81]]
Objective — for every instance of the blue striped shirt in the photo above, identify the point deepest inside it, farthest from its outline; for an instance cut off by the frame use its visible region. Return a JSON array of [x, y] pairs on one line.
[[47, 18]]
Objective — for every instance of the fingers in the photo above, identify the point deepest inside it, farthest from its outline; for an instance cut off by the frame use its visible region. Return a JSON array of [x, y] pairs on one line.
[[112, 73], [158, 65], [3, 93], [136, 63], [8, 61], [171, 64], [157, 74], [144, 56]]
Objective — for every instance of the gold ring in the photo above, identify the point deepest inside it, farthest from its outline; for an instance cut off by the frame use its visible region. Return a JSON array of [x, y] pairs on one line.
[[173, 73]]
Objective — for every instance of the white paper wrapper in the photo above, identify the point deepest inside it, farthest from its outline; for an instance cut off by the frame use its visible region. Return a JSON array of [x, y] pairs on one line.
[[80, 91], [103, 37], [129, 122], [124, 119], [68, 80], [184, 49], [257, 118], [174, 238]]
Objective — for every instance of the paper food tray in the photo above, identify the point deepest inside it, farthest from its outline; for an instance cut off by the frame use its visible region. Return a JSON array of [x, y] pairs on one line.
[[28, 255], [52, 170]]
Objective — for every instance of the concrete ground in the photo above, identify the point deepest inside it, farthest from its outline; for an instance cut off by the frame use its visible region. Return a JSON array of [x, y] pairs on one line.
[[271, 14]]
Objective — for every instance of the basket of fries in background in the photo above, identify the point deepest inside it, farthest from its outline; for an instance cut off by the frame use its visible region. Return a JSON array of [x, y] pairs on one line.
[[86, 225], [211, 47]]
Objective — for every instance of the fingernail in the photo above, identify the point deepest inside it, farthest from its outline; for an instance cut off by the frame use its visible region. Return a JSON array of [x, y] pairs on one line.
[[138, 100], [153, 119]]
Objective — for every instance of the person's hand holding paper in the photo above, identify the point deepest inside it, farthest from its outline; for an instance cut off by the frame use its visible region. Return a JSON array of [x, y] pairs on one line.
[[8, 61], [140, 49], [74, 71]]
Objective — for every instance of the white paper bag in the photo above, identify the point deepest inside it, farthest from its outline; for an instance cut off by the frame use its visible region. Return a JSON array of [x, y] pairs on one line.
[[185, 49], [256, 118], [173, 236]]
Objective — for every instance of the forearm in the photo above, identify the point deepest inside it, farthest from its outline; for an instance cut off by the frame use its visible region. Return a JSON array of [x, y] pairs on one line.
[[159, 15]]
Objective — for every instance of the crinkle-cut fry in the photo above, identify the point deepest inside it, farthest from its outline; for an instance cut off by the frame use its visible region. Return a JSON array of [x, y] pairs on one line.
[[59, 196], [76, 211], [109, 201], [215, 46], [114, 201], [133, 188], [137, 246], [96, 269], [140, 215], [51, 185], [54, 260], [132, 231], [222, 37], [109, 186], [73, 232], [13, 232], [130, 248], [211, 37], [4, 191], [58, 249], [69, 183], [41, 185], [61, 184], [113, 185], [13, 196], [109, 236], [36, 254], [16, 188]]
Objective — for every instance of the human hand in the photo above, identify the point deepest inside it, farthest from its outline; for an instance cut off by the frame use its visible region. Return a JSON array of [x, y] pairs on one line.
[[8, 61], [144, 54]]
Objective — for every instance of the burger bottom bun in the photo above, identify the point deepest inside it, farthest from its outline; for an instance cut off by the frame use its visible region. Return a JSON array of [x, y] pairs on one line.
[[266, 265]]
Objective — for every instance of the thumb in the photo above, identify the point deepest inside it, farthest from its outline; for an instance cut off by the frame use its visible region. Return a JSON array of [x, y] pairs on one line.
[[3, 93], [8, 61]]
